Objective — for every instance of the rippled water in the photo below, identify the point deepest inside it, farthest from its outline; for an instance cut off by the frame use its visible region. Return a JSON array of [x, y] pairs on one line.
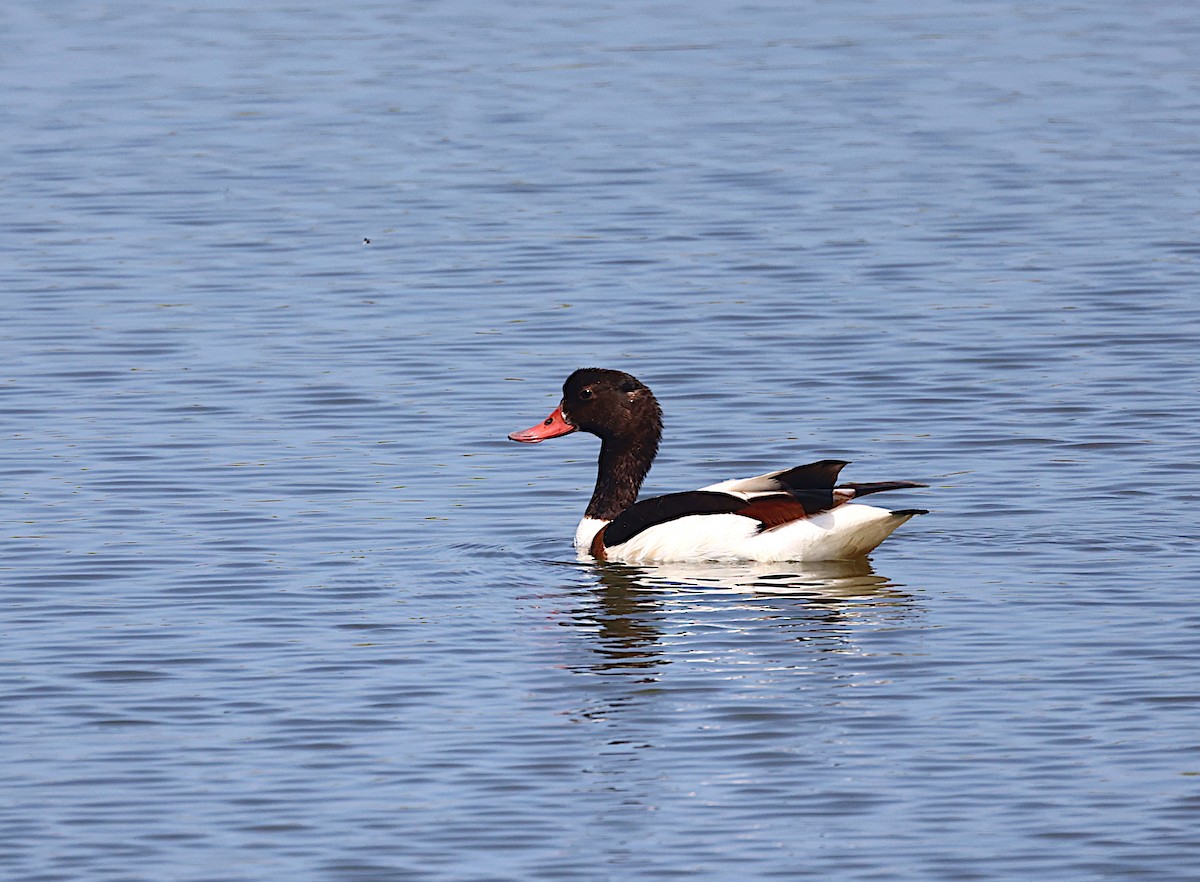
[[280, 600]]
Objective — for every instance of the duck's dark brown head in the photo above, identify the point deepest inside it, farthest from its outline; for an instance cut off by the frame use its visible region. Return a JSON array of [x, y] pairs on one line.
[[622, 412], [612, 405]]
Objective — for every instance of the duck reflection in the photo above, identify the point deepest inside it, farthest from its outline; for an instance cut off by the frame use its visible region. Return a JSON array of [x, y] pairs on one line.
[[824, 579], [635, 606], [626, 619]]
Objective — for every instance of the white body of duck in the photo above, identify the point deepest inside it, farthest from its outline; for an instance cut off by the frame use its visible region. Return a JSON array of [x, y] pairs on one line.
[[845, 533], [794, 514]]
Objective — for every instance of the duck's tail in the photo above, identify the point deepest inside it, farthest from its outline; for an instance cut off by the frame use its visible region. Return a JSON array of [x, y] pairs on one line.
[[858, 489]]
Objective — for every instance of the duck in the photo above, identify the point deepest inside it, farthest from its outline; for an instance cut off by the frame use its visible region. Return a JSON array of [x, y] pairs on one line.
[[795, 514]]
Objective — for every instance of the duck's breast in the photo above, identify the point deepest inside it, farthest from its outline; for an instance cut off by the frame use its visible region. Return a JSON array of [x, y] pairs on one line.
[[586, 532]]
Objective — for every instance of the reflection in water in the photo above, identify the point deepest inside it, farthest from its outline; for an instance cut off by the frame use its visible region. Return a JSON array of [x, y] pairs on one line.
[[635, 605], [625, 619], [818, 579]]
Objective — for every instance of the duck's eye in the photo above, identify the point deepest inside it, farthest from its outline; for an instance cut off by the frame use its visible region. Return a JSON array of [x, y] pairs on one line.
[[585, 394]]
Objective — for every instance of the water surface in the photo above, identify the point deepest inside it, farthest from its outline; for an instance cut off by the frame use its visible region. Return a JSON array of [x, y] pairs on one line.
[[280, 600]]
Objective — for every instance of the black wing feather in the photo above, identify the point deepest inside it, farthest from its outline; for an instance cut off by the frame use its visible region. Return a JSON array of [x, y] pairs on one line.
[[813, 483], [661, 509]]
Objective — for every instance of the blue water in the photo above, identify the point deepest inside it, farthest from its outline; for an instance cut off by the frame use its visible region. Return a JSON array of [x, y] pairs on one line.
[[279, 599]]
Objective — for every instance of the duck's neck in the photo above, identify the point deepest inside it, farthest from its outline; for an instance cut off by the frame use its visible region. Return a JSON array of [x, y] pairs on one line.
[[623, 465]]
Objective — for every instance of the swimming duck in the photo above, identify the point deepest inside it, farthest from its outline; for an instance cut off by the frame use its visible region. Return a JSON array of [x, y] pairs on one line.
[[790, 515]]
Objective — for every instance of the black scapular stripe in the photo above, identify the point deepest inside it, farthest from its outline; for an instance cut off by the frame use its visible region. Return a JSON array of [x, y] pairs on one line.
[[661, 509]]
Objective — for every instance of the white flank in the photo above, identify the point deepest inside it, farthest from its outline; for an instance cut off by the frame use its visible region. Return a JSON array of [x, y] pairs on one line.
[[844, 533]]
